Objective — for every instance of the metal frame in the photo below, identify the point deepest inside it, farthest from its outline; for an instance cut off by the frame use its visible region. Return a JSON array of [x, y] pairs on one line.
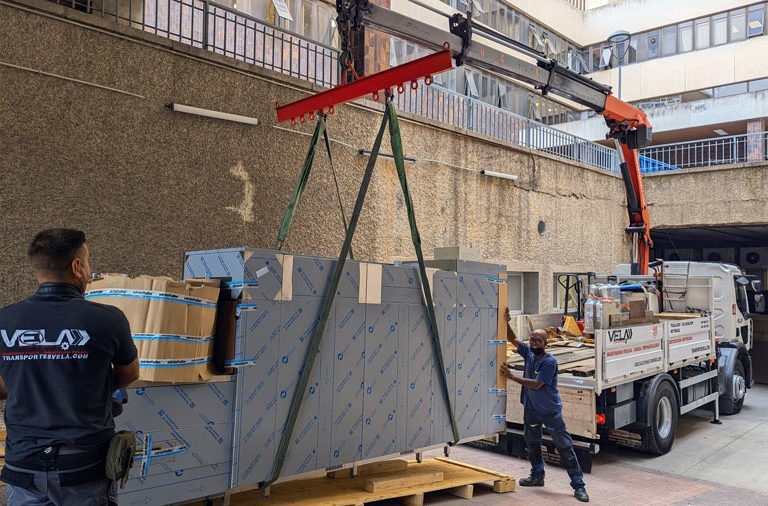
[[398, 76]]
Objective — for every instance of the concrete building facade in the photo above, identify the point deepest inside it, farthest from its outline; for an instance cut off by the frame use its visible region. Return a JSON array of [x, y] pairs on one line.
[[89, 143]]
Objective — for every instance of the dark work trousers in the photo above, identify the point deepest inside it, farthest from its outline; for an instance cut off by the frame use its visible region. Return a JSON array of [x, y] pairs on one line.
[[46, 491], [556, 426], [60, 477]]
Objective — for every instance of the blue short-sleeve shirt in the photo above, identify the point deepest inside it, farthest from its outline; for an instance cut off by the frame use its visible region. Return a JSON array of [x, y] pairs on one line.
[[546, 400]]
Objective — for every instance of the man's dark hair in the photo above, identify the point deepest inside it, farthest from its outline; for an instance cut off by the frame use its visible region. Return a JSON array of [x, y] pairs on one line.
[[54, 249]]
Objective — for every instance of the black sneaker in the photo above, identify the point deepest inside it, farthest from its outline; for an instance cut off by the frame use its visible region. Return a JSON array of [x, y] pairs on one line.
[[532, 481], [580, 494]]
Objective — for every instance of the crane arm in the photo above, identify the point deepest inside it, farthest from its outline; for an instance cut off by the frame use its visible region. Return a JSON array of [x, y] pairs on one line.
[[627, 125]]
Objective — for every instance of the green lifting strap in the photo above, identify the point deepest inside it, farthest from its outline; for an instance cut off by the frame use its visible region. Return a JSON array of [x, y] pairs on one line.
[[309, 361], [397, 152], [302, 183], [390, 116]]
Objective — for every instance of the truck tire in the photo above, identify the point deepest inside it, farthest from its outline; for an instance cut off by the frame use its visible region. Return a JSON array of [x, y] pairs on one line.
[[732, 401], [660, 433]]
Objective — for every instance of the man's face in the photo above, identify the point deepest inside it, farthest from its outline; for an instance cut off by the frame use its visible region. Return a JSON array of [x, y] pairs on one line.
[[81, 268], [538, 340]]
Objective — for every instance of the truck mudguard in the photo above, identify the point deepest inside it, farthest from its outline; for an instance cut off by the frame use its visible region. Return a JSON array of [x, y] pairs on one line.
[[729, 353], [647, 391]]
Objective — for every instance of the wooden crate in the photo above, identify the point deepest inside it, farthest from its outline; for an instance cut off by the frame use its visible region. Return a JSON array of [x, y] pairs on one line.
[[405, 481]]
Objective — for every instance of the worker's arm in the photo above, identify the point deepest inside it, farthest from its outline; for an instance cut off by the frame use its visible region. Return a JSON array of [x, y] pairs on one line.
[[528, 383], [3, 391], [124, 375]]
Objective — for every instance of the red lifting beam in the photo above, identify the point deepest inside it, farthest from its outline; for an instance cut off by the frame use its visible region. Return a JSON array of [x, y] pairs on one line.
[[411, 72]]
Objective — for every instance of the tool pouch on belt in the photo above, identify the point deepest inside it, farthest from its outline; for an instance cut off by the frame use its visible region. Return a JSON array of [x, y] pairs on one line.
[[122, 448]]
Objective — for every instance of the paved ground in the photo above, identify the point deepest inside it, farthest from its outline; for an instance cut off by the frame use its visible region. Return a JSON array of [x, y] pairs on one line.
[[708, 465]]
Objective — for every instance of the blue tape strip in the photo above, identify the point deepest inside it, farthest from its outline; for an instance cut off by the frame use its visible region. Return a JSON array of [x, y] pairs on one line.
[[499, 418], [199, 362], [496, 343], [496, 391], [240, 360], [241, 283], [494, 278], [153, 297], [246, 306], [172, 454], [172, 338]]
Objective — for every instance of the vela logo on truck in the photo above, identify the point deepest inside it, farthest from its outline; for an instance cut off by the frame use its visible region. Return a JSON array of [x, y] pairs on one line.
[[620, 335]]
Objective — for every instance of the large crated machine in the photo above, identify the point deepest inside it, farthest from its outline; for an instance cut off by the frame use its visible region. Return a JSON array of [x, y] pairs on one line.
[[374, 390]]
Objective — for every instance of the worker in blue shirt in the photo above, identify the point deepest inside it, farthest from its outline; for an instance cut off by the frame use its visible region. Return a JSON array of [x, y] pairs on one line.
[[542, 407]]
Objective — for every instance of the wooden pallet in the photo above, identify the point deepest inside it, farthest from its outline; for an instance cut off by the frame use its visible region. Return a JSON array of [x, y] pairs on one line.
[[406, 481]]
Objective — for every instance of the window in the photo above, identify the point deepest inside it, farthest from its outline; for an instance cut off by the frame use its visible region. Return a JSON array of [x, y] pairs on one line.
[[685, 37], [595, 58], [470, 88], [642, 47], [702, 33], [515, 293], [669, 40], [653, 44], [719, 29], [631, 56], [605, 58], [755, 20], [737, 25], [730, 89], [758, 85], [535, 40]]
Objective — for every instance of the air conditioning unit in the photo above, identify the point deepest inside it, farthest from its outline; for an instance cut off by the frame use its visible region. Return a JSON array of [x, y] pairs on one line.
[[753, 257], [683, 254], [727, 255]]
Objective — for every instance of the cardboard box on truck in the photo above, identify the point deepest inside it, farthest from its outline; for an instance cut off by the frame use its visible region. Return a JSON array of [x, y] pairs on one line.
[[172, 323]]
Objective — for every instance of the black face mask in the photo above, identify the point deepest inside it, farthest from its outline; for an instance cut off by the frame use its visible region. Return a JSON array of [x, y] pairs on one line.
[[538, 351]]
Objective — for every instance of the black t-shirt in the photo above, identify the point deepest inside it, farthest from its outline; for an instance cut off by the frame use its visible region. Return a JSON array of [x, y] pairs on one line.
[[56, 357]]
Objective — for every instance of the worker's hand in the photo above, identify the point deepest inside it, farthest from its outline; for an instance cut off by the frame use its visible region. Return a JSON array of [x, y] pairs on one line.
[[506, 371], [507, 315]]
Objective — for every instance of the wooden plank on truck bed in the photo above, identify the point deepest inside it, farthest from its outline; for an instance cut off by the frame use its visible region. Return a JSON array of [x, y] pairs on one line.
[[677, 316]]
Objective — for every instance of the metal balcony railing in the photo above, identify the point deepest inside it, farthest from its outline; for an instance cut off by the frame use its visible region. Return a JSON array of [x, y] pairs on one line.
[[446, 106], [744, 148], [207, 25]]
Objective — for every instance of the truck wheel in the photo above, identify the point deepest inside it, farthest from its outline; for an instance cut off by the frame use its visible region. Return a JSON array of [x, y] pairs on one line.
[[660, 435], [733, 399]]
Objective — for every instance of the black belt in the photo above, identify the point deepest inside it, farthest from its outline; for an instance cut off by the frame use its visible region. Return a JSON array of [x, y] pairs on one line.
[[73, 468]]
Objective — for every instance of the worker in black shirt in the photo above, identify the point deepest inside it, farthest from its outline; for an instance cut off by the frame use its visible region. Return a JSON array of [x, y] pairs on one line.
[[61, 357]]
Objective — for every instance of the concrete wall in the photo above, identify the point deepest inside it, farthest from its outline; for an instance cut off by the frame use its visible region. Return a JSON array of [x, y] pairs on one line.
[[728, 195], [147, 184]]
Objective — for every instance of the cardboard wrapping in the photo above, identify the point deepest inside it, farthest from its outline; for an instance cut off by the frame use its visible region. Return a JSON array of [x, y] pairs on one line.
[[172, 323]]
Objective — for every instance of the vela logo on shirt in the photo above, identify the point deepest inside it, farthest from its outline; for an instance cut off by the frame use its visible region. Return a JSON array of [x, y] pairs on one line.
[[27, 338]]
